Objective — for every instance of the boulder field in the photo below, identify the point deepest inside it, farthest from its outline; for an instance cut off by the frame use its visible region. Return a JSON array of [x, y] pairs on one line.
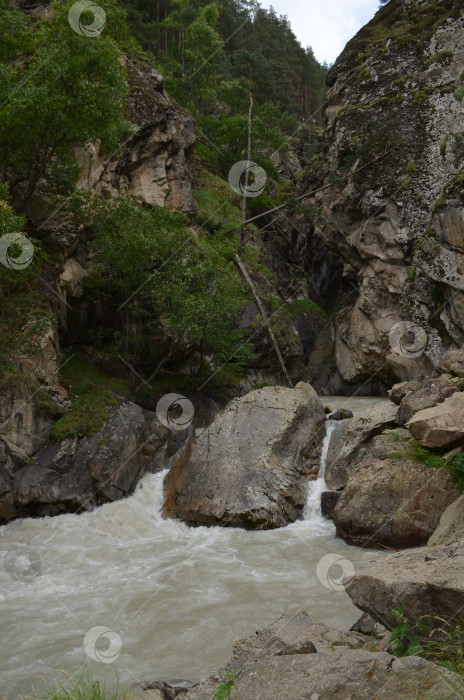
[[389, 468]]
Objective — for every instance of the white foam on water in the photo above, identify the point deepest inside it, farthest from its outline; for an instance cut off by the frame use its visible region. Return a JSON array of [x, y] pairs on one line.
[[179, 597]]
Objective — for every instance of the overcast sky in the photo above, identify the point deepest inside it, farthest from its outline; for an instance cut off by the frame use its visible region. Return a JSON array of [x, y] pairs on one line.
[[326, 25]]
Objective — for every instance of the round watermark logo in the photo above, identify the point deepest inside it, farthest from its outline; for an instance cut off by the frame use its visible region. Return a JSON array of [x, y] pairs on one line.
[[102, 644], [87, 8], [22, 564], [16, 251], [247, 178], [175, 411], [408, 339], [335, 572]]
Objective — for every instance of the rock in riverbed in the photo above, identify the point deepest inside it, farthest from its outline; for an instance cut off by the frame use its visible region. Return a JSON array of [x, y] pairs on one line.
[[392, 502], [358, 432], [250, 467], [297, 658], [426, 581]]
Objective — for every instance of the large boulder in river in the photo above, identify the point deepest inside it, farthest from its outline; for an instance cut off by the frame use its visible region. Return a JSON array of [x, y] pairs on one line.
[[396, 503], [359, 431], [427, 582], [250, 467], [296, 657], [441, 426]]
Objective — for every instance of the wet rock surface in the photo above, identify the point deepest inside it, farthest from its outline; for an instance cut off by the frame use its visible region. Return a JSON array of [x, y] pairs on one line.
[[250, 467]]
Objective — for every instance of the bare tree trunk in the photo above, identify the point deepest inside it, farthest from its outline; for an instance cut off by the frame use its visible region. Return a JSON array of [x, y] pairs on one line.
[[244, 200], [262, 311]]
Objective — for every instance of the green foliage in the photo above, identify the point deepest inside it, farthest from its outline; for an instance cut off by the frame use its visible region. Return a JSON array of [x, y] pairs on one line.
[[439, 641], [218, 205], [440, 57], [455, 466], [179, 286], [10, 378], [459, 93], [411, 449], [224, 690], [443, 146], [83, 688], [439, 203], [458, 148], [91, 392], [304, 306], [61, 89], [402, 641], [14, 280], [211, 53]]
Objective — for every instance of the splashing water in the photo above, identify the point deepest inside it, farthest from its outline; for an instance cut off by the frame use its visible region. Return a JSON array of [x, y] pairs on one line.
[[173, 598]]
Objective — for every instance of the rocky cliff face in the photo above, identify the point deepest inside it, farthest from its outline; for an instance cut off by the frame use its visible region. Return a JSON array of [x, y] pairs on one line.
[[396, 227], [152, 164]]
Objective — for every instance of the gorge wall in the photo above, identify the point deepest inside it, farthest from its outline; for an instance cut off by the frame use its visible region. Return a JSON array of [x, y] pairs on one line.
[[395, 229]]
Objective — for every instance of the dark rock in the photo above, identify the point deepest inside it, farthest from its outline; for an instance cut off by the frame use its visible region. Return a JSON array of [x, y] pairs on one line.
[[329, 500], [341, 414], [367, 625]]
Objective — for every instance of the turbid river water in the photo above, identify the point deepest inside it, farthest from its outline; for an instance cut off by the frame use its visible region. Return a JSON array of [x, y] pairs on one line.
[[168, 601]]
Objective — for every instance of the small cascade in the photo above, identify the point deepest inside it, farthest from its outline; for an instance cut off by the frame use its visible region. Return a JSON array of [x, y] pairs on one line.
[[312, 509]]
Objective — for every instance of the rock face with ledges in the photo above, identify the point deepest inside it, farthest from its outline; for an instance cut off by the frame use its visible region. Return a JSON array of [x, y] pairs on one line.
[[153, 166], [396, 228], [250, 467]]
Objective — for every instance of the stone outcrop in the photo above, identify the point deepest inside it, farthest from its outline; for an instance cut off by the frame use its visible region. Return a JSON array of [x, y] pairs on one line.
[[153, 164], [397, 226], [428, 393], [426, 582], [250, 467], [355, 436], [77, 474], [451, 525], [296, 657], [395, 503], [441, 426]]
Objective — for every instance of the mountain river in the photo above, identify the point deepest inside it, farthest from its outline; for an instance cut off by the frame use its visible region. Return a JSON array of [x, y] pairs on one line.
[[128, 596]]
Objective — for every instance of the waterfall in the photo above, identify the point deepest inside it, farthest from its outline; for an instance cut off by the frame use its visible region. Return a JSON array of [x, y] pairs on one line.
[[312, 509]]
